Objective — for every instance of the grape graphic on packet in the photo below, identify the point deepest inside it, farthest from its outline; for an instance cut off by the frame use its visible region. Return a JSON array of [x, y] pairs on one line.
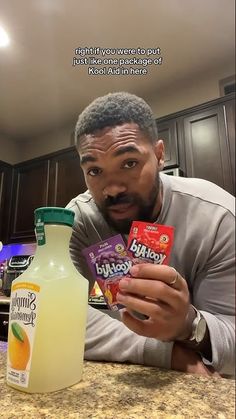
[[109, 262]]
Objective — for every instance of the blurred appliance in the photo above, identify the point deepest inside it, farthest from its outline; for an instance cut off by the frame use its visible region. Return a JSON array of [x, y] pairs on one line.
[[2, 265], [4, 318], [15, 266]]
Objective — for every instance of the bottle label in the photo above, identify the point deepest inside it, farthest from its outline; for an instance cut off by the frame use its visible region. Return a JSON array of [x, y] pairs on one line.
[[40, 232], [22, 326]]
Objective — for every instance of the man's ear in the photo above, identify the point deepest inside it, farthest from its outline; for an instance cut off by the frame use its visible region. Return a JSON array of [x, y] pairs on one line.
[[160, 154]]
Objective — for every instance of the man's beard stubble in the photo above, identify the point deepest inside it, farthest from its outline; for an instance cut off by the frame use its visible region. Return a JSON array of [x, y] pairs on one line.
[[145, 210]]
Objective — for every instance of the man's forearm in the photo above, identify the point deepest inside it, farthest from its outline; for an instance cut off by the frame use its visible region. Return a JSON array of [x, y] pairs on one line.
[[108, 339], [187, 360]]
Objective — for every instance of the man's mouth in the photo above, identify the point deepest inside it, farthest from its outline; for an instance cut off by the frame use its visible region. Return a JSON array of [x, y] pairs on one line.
[[120, 211]]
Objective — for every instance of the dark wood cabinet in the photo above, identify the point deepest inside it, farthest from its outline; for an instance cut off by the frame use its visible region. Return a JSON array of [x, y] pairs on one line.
[[5, 199], [229, 111], [201, 141], [52, 180], [167, 131], [30, 190], [66, 178], [207, 147]]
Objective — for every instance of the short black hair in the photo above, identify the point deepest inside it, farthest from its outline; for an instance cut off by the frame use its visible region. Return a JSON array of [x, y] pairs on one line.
[[116, 109]]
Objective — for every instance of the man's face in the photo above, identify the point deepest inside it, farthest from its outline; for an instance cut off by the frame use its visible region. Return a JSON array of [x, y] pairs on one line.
[[121, 169]]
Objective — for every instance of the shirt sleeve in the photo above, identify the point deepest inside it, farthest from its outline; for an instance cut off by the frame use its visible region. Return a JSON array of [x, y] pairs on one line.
[[214, 296], [108, 339], [79, 241]]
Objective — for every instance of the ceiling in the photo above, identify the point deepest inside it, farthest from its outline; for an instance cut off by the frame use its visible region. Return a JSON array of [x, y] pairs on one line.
[[41, 90]]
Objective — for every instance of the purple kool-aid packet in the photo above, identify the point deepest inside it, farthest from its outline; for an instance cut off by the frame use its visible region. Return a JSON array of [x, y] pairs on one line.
[[109, 262]]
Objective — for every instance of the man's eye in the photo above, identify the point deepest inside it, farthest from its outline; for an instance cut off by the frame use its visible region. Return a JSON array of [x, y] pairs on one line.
[[130, 164], [94, 172]]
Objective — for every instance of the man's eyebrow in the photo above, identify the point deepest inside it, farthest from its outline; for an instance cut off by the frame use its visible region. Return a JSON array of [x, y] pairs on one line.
[[87, 159], [126, 149]]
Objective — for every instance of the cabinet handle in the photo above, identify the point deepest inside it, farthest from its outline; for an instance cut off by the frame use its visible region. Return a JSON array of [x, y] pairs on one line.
[[5, 322]]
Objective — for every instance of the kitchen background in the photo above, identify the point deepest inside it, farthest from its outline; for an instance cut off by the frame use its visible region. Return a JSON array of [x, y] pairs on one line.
[[41, 94]]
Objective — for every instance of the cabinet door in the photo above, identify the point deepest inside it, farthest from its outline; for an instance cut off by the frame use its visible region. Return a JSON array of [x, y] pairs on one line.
[[167, 131], [207, 148], [66, 178], [229, 109], [30, 188], [5, 199]]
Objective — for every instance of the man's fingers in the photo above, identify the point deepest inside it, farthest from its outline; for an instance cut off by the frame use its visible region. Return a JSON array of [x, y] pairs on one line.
[[163, 273], [150, 307], [140, 327], [157, 290]]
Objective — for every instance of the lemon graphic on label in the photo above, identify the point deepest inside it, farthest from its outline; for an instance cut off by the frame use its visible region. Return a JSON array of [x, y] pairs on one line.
[[19, 347]]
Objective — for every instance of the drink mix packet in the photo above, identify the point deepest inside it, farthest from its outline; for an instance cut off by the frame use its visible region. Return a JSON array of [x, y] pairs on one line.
[[109, 262], [148, 242]]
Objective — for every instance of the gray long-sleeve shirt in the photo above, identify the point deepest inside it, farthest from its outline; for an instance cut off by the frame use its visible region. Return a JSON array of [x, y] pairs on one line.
[[203, 253]]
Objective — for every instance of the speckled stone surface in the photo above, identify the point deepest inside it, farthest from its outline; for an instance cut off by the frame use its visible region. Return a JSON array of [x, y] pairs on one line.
[[115, 391]]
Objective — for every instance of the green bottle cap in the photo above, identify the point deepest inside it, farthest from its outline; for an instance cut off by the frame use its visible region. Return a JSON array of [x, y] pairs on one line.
[[54, 215]]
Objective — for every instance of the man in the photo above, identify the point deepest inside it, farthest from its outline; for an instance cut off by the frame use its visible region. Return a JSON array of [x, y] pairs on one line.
[[189, 305]]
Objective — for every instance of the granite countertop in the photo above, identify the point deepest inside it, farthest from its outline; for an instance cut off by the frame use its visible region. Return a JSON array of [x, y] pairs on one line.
[[122, 391]]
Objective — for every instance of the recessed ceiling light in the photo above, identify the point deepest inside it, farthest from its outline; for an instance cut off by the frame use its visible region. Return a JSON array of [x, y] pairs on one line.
[[4, 38]]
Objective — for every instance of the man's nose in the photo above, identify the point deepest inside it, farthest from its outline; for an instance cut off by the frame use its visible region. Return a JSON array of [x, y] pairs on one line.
[[114, 189]]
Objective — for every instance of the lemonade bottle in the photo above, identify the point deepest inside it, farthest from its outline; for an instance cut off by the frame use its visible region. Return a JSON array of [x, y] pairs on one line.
[[48, 311]]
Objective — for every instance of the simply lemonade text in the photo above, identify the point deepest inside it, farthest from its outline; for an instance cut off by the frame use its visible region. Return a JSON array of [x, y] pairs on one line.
[[23, 308]]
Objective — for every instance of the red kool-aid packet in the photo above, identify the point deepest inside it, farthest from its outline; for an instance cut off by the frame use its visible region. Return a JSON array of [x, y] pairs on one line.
[[148, 242]]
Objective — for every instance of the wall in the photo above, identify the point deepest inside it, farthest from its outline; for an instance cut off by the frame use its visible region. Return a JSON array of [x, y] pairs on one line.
[[48, 143], [17, 151], [189, 93], [9, 150], [185, 94]]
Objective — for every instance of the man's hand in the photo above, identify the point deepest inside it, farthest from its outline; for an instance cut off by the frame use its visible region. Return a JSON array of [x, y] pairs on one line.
[[149, 291]]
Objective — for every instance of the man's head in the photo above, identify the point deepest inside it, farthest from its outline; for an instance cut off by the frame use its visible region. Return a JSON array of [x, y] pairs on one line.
[[121, 158], [116, 109]]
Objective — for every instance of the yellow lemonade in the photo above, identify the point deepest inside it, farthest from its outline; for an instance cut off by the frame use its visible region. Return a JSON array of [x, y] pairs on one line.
[[48, 312]]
